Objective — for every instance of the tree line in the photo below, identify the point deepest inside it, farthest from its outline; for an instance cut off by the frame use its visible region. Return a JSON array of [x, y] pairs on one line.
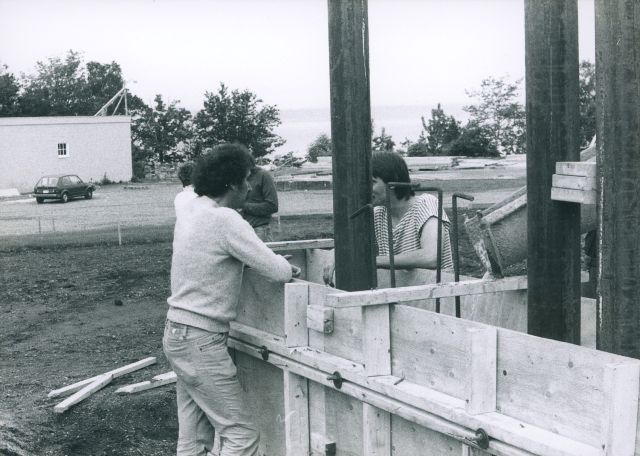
[[167, 133], [496, 125]]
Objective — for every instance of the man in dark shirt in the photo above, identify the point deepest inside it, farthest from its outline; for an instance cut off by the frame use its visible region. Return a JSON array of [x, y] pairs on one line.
[[262, 201]]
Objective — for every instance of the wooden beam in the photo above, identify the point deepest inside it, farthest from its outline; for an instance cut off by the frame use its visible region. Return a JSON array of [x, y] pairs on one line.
[[574, 182], [618, 144], [577, 168], [301, 245], [159, 380], [570, 195], [553, 227], [621, 418], [320, 319], [483, 358], [296, 409], [296, 300], [96, 385], [432, 291], [351, 141], [114, 373]]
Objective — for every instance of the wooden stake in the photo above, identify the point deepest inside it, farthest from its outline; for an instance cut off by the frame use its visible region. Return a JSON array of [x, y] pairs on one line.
[[84, 393], [157, 381]]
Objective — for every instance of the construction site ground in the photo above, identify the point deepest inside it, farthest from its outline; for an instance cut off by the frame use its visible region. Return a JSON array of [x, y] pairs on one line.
[[74, 303]]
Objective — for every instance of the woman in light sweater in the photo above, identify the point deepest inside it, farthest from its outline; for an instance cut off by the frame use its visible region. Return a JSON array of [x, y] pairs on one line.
[[212, 244]]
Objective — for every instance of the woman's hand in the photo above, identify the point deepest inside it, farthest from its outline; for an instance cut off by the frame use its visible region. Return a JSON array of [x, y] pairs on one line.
[[328, 271], [295, 271]]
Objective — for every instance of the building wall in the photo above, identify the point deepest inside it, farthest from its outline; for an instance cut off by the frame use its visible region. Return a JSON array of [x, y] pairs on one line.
[[96, 147]]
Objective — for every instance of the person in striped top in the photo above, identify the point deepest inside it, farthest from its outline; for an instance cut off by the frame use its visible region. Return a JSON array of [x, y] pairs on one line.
[[414, 220]]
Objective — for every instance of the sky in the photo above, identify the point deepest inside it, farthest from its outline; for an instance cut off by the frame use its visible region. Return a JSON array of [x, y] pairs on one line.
[[421, 51]]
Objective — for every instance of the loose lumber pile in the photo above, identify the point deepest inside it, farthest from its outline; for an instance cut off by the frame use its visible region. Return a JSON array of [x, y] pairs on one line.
[[85, 388], [575, 182]]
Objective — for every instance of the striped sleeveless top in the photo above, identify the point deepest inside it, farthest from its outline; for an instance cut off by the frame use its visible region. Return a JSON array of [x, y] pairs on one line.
[[406, 234]]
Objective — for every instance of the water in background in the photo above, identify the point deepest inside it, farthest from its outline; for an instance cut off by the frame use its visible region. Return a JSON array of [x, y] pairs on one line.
[[300, 127]]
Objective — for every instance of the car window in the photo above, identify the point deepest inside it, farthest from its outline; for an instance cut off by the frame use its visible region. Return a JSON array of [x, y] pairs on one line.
[[65, 181], [74, 179], [48, 182]]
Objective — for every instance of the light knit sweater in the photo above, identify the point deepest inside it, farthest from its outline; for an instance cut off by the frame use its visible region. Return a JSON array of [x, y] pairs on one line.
[[211, 246]]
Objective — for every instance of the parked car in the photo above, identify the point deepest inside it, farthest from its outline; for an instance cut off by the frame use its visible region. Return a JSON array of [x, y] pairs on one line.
[[62, 187]]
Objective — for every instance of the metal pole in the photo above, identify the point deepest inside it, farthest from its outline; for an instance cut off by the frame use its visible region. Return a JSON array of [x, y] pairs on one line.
[[456, 253]]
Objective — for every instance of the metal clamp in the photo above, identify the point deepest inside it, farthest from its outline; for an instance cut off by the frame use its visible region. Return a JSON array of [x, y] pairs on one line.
[[336, 378], [481, 440], [264, 352]]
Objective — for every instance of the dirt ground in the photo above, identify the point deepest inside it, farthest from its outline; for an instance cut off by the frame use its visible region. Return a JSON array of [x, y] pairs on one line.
[[59, 323]]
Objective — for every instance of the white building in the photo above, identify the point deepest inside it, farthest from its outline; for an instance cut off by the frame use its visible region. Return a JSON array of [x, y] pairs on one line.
[[91, 147]]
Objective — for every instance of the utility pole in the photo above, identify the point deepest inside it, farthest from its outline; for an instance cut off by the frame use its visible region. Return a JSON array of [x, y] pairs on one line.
[[618, 144], [553, 227], [351, 140]]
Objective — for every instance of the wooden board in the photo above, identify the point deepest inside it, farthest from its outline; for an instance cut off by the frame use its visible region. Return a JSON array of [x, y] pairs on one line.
[[574, 196], [408, 438], [585, 169], [540, 379], [261, 303], [263, 385], [574, 182]]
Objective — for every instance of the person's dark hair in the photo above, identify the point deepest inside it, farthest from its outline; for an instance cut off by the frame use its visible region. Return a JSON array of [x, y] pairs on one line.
[[391, 167], [220, 168], [184, 173]]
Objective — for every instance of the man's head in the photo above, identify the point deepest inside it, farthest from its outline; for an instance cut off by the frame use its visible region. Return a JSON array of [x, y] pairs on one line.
[[391, 167], [184, 173], [223, 171]]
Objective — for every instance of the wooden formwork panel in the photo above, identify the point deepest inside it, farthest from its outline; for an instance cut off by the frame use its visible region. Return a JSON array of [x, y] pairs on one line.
[[409, 439]]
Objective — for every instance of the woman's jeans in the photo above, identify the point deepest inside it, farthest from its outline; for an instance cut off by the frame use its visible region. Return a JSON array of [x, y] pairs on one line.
[[209, 395]]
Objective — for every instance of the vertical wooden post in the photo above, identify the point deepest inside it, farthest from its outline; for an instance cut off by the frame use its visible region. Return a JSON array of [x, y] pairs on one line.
[[553, 228], [618, 144], [351, 140], [296, 388]]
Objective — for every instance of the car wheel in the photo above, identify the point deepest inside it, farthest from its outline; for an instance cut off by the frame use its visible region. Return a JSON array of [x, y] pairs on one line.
[[39, 200], [64, 197], [89, 194]]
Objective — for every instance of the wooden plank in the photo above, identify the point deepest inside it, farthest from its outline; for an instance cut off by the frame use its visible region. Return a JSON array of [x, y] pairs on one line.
[[84, 393], [555, 385], [301, 245], [114, 373], [514, 435], [481, 384], [376, 431], [260, 303], [621, 383], [418, 292], [504, 211], [584, 169], [296, 299], [574, 182], [296, 409], [320, 319], [157, 381], [574, 196], [412, 439]]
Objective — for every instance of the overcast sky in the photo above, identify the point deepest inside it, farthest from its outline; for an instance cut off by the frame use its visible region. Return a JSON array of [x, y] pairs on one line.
[[421, 51]]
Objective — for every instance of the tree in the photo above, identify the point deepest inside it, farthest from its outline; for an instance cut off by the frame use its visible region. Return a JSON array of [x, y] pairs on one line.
[[9, 89], [439, 131], [587, 102], [474, 141], [162, 133], [383, 142], [500, 112], [238, 117], [320, 147], [57, 88]]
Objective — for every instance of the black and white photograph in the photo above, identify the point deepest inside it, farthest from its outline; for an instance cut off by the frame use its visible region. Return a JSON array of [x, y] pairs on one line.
[[319, 227]]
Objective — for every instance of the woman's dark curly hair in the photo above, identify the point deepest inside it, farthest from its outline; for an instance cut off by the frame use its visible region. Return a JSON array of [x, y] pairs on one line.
[[391, 167], [220, 168]]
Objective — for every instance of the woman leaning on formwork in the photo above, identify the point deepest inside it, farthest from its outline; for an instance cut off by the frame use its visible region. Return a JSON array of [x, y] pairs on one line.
[[212, 243], [414, 220]]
